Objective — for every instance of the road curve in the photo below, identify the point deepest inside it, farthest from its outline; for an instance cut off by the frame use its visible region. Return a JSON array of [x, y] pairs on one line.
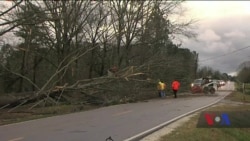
[[121, 122]]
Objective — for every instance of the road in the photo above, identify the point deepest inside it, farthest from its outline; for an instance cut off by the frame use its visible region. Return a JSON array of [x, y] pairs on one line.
[[120, 122]]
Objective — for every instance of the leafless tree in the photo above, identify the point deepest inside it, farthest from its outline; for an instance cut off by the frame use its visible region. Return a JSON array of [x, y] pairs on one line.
[[94, 29], [68, 19], [6, 23]]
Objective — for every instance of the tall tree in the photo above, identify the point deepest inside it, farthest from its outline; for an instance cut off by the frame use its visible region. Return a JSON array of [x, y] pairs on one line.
[[94, 31], [126, 17], [68, 19], [31, 31]]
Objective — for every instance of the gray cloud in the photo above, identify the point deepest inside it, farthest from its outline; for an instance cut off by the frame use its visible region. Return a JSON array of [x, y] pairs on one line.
[[218, 38], [235, 34]]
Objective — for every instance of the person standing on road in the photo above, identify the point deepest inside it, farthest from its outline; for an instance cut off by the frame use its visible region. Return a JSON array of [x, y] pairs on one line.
[[161, 89], [175, 87]]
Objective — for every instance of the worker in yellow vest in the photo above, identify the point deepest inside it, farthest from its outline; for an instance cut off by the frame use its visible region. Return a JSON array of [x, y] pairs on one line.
[[161, 89]]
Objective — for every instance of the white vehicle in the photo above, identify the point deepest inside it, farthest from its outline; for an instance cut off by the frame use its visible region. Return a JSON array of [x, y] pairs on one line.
[[204, 85]]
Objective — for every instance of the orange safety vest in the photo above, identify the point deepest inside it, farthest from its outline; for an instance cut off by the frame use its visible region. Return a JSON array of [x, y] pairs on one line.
[[175, 85]]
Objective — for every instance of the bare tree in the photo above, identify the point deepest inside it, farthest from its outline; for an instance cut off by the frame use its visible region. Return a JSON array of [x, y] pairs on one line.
[[126, 17], [94, 30], [68, 19], [106, 40], [5, 22]]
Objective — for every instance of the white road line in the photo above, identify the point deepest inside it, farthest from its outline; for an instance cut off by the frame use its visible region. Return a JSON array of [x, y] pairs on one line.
[[168, 122]]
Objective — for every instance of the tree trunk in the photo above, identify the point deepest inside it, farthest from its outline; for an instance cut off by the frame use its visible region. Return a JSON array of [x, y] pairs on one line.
[[91, 63], [34, 73], [102, 70], [20, 89]]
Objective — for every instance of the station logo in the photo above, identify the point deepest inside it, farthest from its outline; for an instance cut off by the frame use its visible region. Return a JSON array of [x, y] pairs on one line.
[[218, 119], [213, 119]]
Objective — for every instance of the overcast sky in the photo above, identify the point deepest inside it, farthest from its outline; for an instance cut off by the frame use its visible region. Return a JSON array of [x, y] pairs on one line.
[[223, 33]]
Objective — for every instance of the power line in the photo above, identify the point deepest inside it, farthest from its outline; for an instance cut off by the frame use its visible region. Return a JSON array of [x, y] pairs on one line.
[[216, 57]]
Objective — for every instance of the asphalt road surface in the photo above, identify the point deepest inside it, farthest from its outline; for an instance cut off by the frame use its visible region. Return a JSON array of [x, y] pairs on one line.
[[121, 122]]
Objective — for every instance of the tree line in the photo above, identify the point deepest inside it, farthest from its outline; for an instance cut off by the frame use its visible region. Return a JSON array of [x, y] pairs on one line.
[[62, 42]]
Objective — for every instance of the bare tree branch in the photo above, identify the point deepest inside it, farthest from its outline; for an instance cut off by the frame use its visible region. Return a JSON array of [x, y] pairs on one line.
[[12, 7]]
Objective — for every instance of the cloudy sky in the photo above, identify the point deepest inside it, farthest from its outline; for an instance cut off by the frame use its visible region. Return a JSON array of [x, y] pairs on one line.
[[223, 28]]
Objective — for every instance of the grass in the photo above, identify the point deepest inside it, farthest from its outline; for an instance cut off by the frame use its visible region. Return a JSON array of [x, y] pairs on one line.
[[189, 132], [239, 86], [239, 97]]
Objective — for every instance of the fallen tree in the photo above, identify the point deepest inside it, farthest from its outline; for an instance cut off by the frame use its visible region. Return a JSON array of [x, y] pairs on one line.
[[125, 87]]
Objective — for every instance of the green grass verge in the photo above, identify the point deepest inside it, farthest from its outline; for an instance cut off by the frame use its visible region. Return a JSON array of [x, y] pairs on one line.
[[189, 132], [239, 97], [238, 87]]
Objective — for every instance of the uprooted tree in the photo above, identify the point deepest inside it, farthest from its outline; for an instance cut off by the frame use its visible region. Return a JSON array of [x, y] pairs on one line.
[[66, 53]]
